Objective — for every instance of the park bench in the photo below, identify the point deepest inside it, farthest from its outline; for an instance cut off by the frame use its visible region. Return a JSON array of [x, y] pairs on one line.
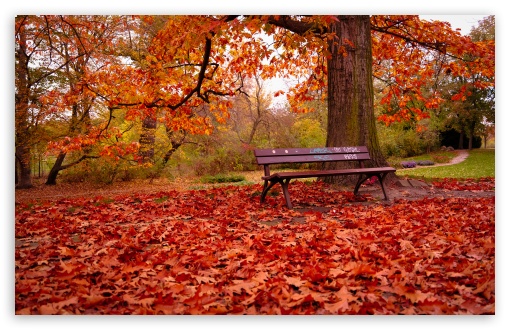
[[267, 157]]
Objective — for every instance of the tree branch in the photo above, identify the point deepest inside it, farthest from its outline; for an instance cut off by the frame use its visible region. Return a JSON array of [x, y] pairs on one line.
[[82, 158], [435, 46], [296, 26]]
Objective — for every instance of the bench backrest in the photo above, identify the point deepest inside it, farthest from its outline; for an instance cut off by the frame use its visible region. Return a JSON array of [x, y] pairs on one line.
[[310, 155]]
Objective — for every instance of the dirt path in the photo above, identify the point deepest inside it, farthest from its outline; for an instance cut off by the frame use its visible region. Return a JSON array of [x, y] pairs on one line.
[[462, 155]]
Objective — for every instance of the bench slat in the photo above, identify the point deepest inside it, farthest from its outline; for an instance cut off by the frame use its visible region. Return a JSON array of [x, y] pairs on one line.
[[316, 174], [309, 151], [311, 158]]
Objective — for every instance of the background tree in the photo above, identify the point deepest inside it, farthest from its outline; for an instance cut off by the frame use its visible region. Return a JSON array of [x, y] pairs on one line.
[[81, 44], [481, 99], [250, 111], [136, 48], [470, 96], [36, 71], [23, 99]]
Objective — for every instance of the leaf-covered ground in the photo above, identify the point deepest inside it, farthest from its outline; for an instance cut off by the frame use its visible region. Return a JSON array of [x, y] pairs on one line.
[[218, 251]]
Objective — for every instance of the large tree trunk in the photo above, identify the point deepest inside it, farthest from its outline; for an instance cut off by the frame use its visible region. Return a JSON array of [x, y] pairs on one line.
[[24, 181], [351, 118]]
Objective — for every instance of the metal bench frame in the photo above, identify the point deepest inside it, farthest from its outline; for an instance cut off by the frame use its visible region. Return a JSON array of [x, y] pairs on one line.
[[267, 157]]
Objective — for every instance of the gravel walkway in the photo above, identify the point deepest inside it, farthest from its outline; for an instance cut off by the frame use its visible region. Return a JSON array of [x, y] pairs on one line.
[[461, 156]]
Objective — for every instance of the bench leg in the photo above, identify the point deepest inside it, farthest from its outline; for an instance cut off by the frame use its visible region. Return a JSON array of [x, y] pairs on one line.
[[285, 188], [381, 181], [266, 189], [363, 178]]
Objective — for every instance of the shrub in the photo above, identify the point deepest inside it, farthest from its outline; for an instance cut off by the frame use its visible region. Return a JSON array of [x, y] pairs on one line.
[[223, 160], [425, 163], [394, 162], [398, 142], [409, 164], [440, 159], [222, 178], [444, 148]]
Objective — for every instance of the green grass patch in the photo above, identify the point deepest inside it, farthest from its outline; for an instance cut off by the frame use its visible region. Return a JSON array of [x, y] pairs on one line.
[[104, 201], [481, 163], [161, 199], [71, 209], [198, 187], [222, 178], [437, 157]]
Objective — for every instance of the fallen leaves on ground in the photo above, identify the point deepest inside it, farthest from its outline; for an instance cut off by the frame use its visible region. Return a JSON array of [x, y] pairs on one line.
[[218, 251], [482, 184]]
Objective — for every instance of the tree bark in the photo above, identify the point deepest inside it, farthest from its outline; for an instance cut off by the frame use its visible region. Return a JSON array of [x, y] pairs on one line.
[[147, 140], [472, 128], [461, 140], [25, 172], [15, 172], [176, 140], [55, 169], [351, 118], [22, 134]]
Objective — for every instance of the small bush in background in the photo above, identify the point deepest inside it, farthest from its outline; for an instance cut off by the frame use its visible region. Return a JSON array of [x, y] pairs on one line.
[[222, 178], [445, 148], [425, 163], [440, 159], [409, 164]]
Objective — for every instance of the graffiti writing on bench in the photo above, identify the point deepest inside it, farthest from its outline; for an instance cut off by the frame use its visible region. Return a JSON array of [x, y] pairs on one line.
[[322, 157], [351, 156], [346, 149], [320, 151], [334, 150]]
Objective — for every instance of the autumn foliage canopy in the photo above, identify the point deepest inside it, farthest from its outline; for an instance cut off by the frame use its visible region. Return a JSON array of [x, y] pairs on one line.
[[183, 70]]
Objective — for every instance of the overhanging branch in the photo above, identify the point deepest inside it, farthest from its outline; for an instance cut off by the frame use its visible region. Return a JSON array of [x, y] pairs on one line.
[[79, 160]]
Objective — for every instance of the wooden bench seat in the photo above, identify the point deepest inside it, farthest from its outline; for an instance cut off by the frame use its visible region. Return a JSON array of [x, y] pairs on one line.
[[267, 157]]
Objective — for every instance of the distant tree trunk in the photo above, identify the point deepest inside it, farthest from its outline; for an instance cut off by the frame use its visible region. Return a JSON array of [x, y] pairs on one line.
[[55, 169], [147, 139], [471, 135], [351, 118], [176, 140], [461, 140], [58, 166]]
